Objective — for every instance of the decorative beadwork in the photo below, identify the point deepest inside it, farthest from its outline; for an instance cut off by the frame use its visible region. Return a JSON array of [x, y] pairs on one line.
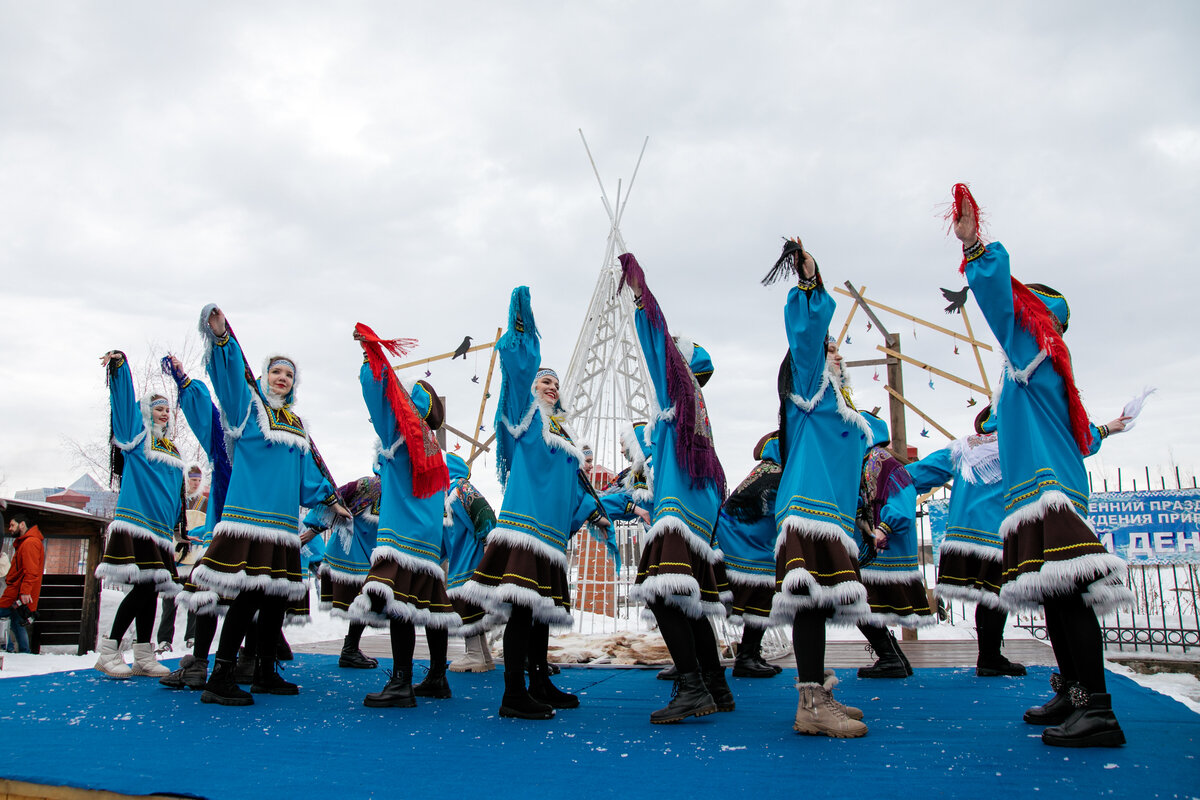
[[1079, 696]]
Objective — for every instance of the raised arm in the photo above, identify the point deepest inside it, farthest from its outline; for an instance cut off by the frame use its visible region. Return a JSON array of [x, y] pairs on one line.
[[127, 422], [226, 368], [807, 315], [520, 351], [932, 471]]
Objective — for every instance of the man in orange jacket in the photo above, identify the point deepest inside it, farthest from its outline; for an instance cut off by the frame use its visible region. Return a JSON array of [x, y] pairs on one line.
[[24, 581]]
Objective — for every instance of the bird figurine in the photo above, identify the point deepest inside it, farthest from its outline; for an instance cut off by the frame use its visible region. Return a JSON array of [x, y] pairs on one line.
[[971, 401], [876, 375], [458, 446], [957, 299], [474, 378], [925, 432], [955, 349], [847, 340], [482, 428], [868, 326], [931, 383], [462, 349], [427, 373]]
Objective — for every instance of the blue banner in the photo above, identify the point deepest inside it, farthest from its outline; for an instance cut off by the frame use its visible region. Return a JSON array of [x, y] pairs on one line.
[[1159, 527]]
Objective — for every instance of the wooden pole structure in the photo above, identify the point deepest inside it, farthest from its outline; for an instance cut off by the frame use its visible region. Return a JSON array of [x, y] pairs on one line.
[[978, 356], [421, 361], [971, 340], [895, 352], [483, 448], [849, 318], [918, 412], [895, 388], [487, 385]]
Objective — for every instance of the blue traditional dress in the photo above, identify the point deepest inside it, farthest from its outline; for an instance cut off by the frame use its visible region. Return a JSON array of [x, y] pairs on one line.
[[1050, 547], [468, 521], [199, 411], [887, 500], [679, 556], [405, 581], [256, 542], [539, 468], [746, 532], [140, 547], [349, 546], [823, 439]]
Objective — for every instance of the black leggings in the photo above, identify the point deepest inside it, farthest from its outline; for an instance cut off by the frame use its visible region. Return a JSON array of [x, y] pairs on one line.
[[808, 644], [692, 643], [525, 641], [270, 610], [404, 644], [751, 641], [989, 626], [206, 631], [138, 606], [1077, 640]]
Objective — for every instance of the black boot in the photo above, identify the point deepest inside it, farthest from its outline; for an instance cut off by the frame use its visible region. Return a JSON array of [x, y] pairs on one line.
[[889, 664], [668, 674], [1091, 724], [398, 693], [543, 690], [268, 681], [223, 689], [192, 673], [517, 701], [722, 695], [751, 665], [689, 698], [995, 666], [243, 672], [434, 685], [352, 657], [283, 650], [896, 645], [1056, 710]]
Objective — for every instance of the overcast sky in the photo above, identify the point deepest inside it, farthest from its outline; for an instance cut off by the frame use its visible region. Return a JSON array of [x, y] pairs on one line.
[[311, 165]]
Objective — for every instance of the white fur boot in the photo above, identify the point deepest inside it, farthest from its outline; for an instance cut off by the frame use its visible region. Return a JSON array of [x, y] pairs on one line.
[[110, 662], [144, 662]]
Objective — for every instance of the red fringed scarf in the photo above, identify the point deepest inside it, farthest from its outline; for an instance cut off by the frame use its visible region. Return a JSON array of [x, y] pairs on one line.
[[1036, 319], [430, 474]]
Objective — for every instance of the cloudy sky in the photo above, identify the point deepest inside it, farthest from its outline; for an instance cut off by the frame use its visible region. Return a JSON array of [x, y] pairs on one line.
[[406, 165]]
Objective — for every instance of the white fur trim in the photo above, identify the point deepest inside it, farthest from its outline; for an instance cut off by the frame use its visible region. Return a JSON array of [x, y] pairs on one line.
[[520, 539], [205, 603], [517, 430], [681, 591], [633, 444], [138, 532], [486, 623], [847, 599], [753, 621], [881, 577], [360, 610], [674, 524], [132, 443], [262, 534], [389, 453], [1103, 571], [405, 561], [807, 405], [230, 584], [687, 348], [749, 578], [343, 577], [274, 436], [995, 554], [814, 529], [164, 581], [1036, 510], [909, 621], [1023, 375], [499, 601], [967, 595]]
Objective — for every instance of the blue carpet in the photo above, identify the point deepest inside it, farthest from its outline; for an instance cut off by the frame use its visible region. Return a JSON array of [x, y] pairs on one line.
[[940, 733]]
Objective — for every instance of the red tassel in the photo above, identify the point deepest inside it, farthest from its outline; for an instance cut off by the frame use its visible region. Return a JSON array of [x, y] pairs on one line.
[[429, 472], [1036, 319]]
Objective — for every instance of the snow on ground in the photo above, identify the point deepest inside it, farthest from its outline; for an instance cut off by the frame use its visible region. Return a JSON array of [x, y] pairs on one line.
[[578, 646]]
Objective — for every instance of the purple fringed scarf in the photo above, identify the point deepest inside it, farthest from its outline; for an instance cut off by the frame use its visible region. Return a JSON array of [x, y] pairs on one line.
[[695, 452]]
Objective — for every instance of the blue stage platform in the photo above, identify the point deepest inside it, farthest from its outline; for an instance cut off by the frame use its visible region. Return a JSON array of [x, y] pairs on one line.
[[942, 732]]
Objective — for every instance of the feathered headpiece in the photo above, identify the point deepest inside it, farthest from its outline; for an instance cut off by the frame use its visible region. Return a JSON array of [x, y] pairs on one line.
[[695, 450], [1036, 319], [429, 474]]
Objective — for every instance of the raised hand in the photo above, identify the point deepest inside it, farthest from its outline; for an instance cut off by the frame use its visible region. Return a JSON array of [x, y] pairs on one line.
[[216, 322], [966, 227]]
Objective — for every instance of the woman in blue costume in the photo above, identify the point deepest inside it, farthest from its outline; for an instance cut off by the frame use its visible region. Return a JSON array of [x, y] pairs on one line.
[[823, 441], [522, 577], [887, 503], [406, 586], [204, 420], [746, 531], [255, 551], [139, 549], [468, 520], [676, 578], [1052, 556], [348, 560]]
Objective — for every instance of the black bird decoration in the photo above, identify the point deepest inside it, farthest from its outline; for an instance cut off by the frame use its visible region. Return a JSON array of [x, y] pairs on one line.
[[462, 349], [475, 379], [971, 401], [427, 373], [957, 299]]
